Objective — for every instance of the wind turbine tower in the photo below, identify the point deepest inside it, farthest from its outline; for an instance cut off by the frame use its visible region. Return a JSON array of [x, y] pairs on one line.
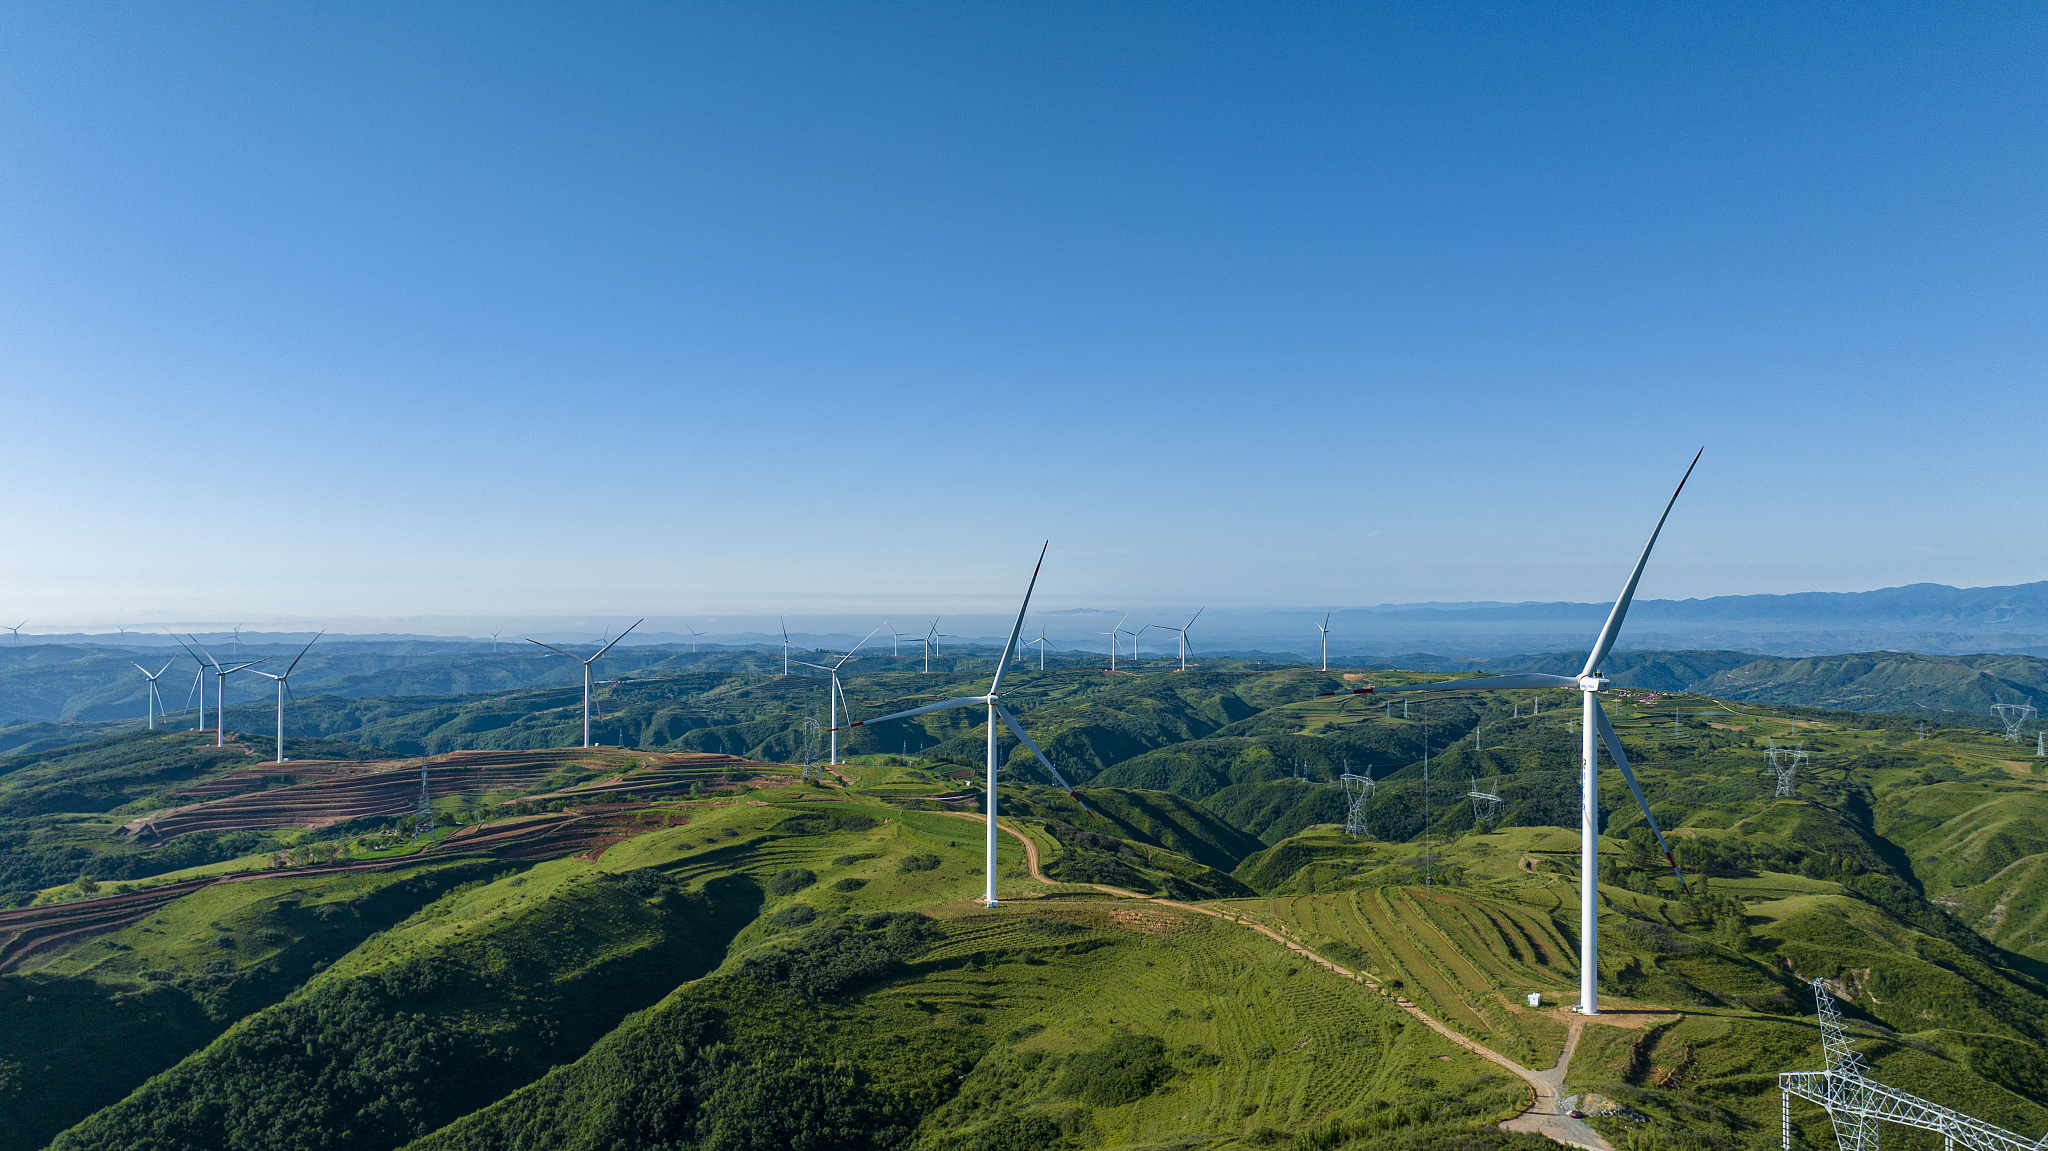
[[1594, 732], [1182, 631], [494, 640], [155, 700], [220, 690], [586, 673], [694, 633], [1324, 628], [283, 686], [1040, 641], [996, 712], [1112, 633]]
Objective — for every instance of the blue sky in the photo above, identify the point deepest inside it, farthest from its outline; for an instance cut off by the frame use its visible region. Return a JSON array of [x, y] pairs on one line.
[[313, 313]]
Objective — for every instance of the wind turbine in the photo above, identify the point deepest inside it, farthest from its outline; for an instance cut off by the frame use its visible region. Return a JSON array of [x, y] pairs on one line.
[[785, 644], [198, 678], [1183, 632], [996, 711], [283, 687], [1040, 641], [155, 701], [895, 638], [836, 694], [494, 639], [16, 629], [929, 643], [1112, 633], [586, 671], [1594, 731], [1324, 627], [237, 629], [220, 691], [694, 633]]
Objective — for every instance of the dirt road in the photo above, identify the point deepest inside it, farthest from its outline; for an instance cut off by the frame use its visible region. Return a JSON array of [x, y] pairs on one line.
[[1542, 1117]]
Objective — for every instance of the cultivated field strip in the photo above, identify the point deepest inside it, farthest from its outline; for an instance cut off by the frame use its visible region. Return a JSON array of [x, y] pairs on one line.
[[388, 790]]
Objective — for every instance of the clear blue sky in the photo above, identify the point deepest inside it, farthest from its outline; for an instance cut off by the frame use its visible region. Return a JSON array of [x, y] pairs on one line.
[[324, 311]]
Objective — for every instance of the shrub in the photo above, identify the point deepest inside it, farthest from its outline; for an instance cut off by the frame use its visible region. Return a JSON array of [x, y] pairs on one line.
[[791, 880], [850, 883], [795, 915], [1123, 1070], [918, 863], [835, 958]]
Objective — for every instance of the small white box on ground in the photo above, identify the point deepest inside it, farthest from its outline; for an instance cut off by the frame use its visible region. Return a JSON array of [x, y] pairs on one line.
[[1535, 999]]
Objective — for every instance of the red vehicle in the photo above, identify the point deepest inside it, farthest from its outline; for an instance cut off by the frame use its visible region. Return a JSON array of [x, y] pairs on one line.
[[1575, 1113]]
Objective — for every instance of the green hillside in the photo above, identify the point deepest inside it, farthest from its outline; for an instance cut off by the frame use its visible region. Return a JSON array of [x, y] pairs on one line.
[[660, 946]]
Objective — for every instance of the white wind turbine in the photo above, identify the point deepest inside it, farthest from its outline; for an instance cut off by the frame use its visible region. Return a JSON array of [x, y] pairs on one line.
[[1040, 641], [155, 701], [1594, 731], [837, 695], [694, 633], [237, 629], [784, 624], [930, 641], [220, 691], [895, 639], [586, 671], [996, 711], [283, 687], [198, 681], [1182, 631], [1112, 633], [494, 639], [16, 629], [1324, 627]]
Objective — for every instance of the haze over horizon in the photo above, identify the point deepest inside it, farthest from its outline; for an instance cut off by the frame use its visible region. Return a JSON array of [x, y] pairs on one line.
[[409, 312]]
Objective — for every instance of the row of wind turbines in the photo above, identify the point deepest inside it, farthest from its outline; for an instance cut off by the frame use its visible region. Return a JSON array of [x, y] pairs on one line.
[[1597, 732]]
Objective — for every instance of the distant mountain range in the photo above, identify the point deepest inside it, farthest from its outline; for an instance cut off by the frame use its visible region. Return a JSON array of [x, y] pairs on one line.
[[1931, 618]]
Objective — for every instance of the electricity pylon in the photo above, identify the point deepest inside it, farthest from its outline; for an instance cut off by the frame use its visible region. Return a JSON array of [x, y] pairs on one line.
[[1357, 790], [2014, 716], [424, 823]]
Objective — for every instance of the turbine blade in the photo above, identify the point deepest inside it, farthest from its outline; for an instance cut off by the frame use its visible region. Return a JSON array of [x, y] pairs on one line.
[[202, 648], [1003, 664], [305, 649], [622, 635], [556, 650], [1620, 757], [1484, 683], [942, 705], [1010, 721], [1194, 617], [1612, 628], [856, 647], [166, 667]]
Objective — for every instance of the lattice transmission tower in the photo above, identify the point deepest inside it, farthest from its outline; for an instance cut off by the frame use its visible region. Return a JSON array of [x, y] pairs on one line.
[[2015, 716], [1856, 1103], [1785, 762], [1358, 791], [423, 822], [1486, 804], [811, 739]]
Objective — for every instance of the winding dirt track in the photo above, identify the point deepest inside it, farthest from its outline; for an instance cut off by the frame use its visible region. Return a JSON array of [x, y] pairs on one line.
[[1543, 1116]]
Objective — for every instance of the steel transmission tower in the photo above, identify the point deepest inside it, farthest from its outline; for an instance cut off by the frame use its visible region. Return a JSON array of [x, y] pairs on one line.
[[424, 823], [1785, 762], [1486, 804], [811, 739], [1358, 789], [1855, 1103], [2014, 715]]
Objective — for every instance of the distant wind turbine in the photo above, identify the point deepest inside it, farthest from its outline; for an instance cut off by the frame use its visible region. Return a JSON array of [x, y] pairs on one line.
[[198, 681], [996, 711], [586, 671], [155, 701], [930, 642], [895, 637], [220, 691], [238, 640], [1324, 627], [284, 686], [1182, 631], [1112, 633], [694, 633], [1040, 641], [837, 695], [1594, 731], [494, 639], [785, 643], [16, 629]]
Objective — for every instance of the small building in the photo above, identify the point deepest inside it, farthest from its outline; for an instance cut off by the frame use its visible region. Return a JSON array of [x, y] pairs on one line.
[[1535, 999]]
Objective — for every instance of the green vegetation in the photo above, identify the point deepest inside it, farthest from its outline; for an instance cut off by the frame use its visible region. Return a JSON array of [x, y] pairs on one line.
[[703, 960]]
